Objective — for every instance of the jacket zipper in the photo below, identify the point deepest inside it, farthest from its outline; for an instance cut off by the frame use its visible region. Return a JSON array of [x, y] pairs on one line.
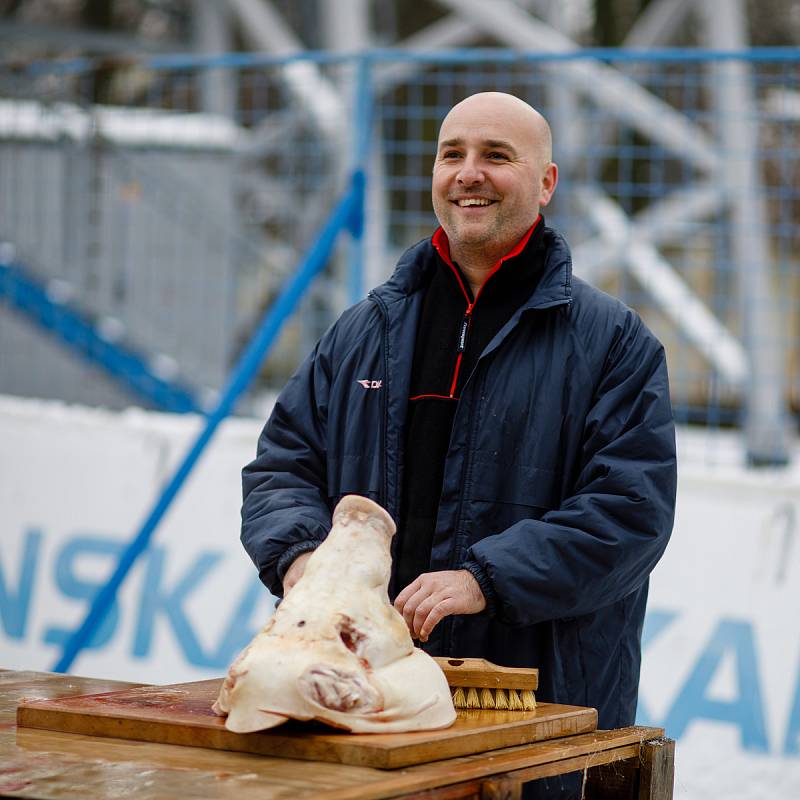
[[445, 256], [447, 624], [461, 346]]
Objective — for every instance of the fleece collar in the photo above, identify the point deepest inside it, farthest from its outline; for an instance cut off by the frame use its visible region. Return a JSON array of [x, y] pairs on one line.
[[414, 266]]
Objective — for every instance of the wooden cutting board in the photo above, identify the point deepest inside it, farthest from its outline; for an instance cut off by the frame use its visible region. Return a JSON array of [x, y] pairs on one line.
[[181, 714]]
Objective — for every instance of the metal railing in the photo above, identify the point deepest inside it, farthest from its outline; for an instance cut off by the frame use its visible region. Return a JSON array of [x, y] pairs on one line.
[[679, 176]]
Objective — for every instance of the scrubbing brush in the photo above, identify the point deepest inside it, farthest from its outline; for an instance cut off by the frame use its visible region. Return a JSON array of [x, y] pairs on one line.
[[479, 684]]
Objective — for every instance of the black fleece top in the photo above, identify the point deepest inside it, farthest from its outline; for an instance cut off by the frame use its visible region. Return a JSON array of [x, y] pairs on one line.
[[454, 329]]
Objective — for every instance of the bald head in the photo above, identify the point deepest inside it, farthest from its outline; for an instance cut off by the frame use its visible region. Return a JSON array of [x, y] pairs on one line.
[[511, 112], [493, 172]]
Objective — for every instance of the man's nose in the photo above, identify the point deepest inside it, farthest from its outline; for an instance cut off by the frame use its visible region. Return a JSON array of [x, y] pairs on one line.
[[470, 173]]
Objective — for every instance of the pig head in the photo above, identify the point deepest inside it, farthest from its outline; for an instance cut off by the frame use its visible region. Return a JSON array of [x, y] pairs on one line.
[[336, 650]]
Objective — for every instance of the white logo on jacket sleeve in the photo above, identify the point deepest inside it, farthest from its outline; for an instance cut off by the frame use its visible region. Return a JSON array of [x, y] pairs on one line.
[[370, 384]]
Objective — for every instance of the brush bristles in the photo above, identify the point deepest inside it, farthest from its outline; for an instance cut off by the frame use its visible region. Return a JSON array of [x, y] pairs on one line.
[[499, 699]]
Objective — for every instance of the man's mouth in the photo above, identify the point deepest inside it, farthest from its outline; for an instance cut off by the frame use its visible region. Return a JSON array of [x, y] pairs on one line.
[[466, 202]]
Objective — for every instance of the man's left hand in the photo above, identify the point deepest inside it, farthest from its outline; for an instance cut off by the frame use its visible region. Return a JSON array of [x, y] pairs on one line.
[[436, 595]]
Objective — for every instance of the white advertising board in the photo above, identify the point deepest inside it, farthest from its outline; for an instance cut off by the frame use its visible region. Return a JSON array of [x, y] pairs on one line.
[[721, 661], [75, 486], [721, 668]]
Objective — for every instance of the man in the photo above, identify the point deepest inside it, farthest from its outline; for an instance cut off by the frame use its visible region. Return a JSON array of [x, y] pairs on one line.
[[514, 420]]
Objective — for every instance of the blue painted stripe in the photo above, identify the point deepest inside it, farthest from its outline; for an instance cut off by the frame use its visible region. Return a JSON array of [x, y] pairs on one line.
[[183, 61], [79, 334]]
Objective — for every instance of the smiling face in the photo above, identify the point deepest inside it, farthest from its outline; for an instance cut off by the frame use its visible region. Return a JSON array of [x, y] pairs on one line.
[[492, 174]]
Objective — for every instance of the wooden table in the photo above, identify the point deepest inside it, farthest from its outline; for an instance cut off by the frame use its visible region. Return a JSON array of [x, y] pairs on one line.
[[629, 764]]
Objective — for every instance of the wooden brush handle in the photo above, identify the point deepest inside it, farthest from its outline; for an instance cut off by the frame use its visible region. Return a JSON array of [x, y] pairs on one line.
[[482, 674]]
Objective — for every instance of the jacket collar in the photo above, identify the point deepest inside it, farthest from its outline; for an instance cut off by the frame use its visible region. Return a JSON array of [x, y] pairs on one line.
[[414, 267], [527, 268]]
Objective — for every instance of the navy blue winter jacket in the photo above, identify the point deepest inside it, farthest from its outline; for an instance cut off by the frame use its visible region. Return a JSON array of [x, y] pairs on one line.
[[559, 484]]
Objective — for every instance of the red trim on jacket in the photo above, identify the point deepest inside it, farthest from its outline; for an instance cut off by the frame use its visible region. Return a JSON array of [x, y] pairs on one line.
[[455, 375], [442, 245], [432, 397]]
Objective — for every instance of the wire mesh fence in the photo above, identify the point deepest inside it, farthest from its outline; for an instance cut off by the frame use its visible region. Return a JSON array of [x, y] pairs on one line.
[[167, 200]]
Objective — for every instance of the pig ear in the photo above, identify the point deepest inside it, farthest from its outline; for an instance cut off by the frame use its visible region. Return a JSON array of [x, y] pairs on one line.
[[247, 721], [326, 687]]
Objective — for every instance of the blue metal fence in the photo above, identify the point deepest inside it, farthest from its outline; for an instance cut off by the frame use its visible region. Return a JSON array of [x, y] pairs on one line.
[[643, 142]]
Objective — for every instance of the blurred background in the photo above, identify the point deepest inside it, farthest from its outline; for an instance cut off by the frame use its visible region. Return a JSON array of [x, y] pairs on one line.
[[169, 167]]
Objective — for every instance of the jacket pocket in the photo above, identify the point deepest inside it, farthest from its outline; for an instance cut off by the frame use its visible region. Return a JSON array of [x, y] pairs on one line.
[[515, 483]]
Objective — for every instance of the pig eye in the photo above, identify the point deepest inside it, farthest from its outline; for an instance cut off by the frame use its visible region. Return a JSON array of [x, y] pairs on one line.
[[301, 623]]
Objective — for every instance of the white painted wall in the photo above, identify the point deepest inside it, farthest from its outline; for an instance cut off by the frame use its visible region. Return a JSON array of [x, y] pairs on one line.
[[722, 640]]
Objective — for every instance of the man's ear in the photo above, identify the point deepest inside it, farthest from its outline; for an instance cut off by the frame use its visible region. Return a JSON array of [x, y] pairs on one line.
[[549, 183]]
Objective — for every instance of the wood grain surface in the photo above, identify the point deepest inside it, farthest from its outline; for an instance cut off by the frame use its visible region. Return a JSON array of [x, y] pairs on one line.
[[181, 714], [49, 764]]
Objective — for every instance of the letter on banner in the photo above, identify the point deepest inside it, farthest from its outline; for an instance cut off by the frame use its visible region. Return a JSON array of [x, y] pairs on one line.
[[14, 606], [67, 580], [745, 710], [157, 599]]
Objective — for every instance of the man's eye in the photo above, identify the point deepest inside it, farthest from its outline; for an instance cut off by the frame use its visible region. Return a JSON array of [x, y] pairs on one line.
[[451, 154], [498, 156]]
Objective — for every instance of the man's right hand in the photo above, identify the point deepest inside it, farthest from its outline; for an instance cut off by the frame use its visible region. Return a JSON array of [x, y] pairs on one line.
[[295, 572]]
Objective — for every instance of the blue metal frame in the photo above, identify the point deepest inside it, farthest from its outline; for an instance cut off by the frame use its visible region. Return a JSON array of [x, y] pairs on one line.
[[361, 139], [454, 56], [79, 334]]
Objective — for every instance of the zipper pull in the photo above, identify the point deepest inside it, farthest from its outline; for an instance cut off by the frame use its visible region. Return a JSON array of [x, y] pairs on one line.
[[462, 336]]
